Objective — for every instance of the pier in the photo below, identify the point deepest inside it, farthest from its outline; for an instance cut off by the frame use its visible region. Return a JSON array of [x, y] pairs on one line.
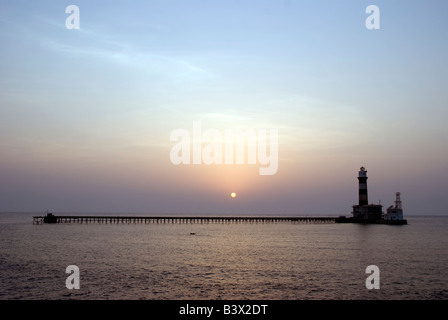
[[178, 219]]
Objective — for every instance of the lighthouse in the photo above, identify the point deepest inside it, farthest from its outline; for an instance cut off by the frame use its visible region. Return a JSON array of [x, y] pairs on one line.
[[362, 178], [364, 211]]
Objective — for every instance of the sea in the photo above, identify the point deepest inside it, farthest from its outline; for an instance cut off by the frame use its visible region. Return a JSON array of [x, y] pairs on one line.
[[223, 261]]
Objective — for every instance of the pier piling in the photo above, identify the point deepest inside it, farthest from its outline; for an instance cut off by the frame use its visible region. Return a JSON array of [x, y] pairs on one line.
[[180, 219]]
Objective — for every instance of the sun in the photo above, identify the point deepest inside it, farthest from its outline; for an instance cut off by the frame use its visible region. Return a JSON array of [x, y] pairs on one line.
[[233, 194]]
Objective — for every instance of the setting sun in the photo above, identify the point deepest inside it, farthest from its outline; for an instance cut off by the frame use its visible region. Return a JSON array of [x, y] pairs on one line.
[[233, 194]]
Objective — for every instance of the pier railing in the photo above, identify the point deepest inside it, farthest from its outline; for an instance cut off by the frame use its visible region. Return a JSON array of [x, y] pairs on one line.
[[179, 219]]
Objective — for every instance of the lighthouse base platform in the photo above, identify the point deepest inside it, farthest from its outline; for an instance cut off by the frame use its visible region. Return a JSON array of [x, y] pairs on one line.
[[343, 219]]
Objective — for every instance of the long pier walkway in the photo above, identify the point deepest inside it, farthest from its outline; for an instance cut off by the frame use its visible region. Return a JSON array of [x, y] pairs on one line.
[[178, 219]]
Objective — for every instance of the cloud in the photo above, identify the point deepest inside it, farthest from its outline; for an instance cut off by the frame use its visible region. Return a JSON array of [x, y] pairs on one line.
[[123, 54]]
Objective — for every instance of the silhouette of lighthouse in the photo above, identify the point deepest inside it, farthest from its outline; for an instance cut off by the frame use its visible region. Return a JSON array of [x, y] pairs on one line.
[[363, 212], [362, 177]]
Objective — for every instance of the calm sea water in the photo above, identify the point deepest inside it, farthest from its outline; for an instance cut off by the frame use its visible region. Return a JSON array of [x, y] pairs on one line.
[[262, 261]]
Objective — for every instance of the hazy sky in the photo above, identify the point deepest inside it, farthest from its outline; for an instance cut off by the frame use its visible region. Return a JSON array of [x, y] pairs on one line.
[[86, 114]]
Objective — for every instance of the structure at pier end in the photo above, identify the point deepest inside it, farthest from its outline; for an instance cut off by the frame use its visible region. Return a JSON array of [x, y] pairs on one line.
[[394, 212], [364, 212]]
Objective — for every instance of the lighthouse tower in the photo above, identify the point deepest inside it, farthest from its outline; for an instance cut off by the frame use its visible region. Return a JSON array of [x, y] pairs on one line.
[[363, 210], [362, 178]]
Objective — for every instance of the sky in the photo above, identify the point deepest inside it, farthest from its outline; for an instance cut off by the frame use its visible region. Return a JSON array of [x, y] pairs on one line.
[[87, 115]]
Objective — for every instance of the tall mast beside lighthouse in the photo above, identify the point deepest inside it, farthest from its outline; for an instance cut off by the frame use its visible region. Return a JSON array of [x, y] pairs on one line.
[[395, 213]]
